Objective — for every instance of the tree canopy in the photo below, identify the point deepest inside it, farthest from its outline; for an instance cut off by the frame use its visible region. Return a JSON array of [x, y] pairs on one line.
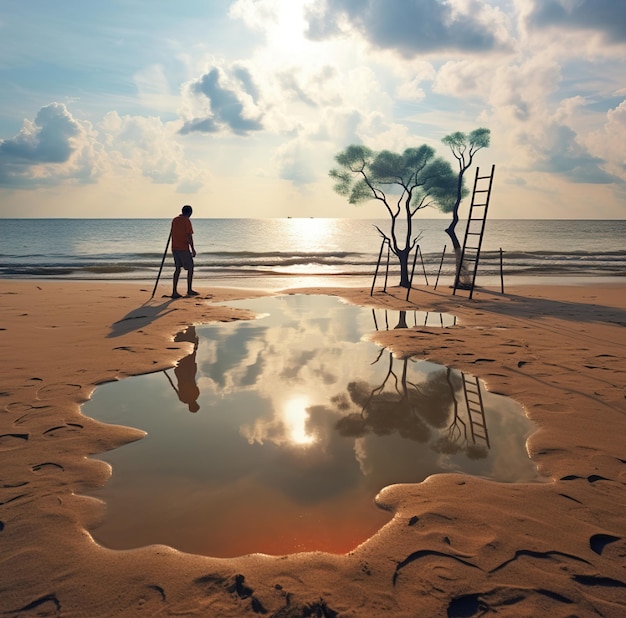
[[463, 147], [411, 180]]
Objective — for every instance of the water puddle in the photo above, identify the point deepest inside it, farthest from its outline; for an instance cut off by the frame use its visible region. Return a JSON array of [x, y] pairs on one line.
[[274, 435]]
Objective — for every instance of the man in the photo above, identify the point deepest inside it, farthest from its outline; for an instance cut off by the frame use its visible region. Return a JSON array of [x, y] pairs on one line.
[[183, 249]]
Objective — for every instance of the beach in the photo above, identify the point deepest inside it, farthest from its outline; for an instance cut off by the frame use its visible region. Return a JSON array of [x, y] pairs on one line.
[[457, 545]]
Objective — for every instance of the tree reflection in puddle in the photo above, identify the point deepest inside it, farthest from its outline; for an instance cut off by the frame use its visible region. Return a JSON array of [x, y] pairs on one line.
[[298, 424]]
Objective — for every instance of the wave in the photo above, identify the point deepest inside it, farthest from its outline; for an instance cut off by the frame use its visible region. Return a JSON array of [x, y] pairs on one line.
[[247, 263]]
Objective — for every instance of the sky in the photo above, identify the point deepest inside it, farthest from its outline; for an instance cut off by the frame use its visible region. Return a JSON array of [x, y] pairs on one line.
[[132, 108]]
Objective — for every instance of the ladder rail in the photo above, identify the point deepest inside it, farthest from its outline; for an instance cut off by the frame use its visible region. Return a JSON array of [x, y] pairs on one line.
[[475, 408], [469, 253], [482, 228]]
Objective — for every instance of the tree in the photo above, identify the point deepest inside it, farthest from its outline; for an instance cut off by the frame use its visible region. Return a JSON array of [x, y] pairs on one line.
[[403, 183], [463, 146]]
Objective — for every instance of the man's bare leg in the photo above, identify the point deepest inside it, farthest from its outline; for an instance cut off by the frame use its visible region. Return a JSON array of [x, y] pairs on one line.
[[175, 293], [190, 291]]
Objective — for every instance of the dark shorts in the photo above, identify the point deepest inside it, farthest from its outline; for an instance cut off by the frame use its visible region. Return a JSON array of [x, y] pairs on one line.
[[183, 259]]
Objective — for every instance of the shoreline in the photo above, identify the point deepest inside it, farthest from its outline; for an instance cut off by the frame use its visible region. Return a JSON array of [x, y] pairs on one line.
[[277, 282], [454, 542]]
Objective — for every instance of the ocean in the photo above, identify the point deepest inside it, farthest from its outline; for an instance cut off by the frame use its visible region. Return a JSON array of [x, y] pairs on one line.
[[295, 251]]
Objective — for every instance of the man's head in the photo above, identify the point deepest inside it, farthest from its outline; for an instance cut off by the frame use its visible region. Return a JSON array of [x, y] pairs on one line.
[[187, 210]]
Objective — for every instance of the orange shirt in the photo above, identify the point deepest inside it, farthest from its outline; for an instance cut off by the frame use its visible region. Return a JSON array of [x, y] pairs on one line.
[[181, 230]]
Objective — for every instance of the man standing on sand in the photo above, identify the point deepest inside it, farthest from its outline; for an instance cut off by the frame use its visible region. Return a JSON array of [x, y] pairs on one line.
[[183, 249]]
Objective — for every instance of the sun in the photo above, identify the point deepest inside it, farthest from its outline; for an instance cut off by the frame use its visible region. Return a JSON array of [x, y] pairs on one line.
[[287, 33]]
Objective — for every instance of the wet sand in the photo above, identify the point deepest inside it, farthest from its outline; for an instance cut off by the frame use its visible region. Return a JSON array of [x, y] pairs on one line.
[[457, 545]]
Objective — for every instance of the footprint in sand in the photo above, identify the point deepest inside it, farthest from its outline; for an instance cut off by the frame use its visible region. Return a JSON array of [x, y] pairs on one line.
[[594, 478], [10, 441], [14, 485], [29, 416], [54, 432], [599, 541], [17, 407], [47, 605], [47, 466], [51, 391]]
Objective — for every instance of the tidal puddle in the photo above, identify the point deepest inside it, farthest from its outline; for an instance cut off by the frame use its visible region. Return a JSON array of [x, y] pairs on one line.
[[275, 434]]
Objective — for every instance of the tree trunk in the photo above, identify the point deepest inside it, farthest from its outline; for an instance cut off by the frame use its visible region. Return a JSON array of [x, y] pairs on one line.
[[403, 258], [401, 320], [461, 276]]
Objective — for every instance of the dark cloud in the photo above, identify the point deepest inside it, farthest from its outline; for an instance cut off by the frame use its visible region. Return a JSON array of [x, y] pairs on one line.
[[227, 110], [245, 78], [290, 85], [201, 125], [564, 156], [606, 16], [410, 27], [47, 140]]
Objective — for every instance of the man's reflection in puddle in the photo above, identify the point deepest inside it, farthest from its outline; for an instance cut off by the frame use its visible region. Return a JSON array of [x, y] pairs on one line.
[[185, 372]]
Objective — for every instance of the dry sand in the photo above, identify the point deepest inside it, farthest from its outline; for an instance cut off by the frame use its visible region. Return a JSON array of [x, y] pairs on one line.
[[457, 545]]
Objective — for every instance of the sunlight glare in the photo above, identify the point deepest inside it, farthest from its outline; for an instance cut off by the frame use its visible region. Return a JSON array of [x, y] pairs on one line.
[[312, 234], [295, 417], [288, 31]]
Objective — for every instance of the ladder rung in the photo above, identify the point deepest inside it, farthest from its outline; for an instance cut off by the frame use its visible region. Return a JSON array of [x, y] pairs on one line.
[[478, 205], [482, 177], [481, 191]]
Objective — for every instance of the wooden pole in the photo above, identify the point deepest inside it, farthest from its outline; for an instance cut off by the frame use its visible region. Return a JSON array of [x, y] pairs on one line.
[[387, 268], [380, 253], [501, 273], [440, 265], [167, 246], [417, 248], [423, 265]]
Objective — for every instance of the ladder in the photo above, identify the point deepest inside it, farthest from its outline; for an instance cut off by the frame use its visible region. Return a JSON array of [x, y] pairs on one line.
[[475, 409], [474, 231]]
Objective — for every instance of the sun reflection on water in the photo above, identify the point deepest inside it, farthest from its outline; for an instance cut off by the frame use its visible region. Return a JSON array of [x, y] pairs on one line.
[[312, 234], [295, 417]]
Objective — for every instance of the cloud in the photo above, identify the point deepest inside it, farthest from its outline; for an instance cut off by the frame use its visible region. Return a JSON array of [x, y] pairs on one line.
[[52, 147], [58, 148], [46, 140], [290, 84], [562, 154], [230, 103], [146, 146], [294, 161], [414, 26], [607, 17], [256, 14], [609, 141]]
